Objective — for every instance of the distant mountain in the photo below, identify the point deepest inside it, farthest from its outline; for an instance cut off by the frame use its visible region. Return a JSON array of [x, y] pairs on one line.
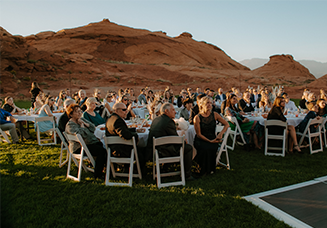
[[318, 69]]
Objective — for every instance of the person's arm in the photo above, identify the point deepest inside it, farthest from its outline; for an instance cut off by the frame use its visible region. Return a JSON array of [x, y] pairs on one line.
[[122, 130], [108, 107], [88, 124], [130, 110], [48, 111]]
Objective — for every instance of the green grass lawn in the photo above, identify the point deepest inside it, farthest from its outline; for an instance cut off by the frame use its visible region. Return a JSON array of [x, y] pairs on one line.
[[36, 193]]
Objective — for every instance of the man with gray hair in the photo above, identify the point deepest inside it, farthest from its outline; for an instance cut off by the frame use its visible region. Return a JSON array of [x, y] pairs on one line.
[[164, 125], [63, 119]]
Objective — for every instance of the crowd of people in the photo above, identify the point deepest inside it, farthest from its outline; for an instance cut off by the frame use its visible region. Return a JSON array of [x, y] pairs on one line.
[[83, 112]]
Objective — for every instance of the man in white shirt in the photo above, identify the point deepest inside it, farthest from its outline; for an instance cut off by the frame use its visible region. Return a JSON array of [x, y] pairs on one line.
[[289, 105]]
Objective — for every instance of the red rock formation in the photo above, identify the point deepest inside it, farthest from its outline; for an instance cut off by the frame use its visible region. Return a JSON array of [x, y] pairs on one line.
[[108, 56]]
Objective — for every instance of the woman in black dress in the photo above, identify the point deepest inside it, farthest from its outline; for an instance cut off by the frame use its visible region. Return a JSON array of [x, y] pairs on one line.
[[35, 90], [206, 141], [276, 113]]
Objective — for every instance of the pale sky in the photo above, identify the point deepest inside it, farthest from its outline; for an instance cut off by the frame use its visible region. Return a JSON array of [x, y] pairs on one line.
[[244, 29]]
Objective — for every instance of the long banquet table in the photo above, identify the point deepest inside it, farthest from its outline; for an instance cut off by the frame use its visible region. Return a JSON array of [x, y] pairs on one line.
[[291, 119], [32, 117]]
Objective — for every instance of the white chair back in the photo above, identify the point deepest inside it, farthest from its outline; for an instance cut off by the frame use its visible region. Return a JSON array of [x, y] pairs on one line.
[[157, 160], [116, 140], [283, 137], [223, 148], [51, 130], [4, 137]]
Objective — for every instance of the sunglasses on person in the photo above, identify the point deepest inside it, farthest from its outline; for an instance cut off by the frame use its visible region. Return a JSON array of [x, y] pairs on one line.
[[51, 99], [126, 99], [123, 109]]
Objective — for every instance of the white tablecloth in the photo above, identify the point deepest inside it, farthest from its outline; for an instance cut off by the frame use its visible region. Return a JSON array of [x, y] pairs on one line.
[[291, 120], [139, 112], [33, 117], [143, 137]]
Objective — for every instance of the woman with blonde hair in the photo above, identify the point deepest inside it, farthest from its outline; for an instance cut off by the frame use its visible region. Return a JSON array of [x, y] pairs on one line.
[[46, 110], [206, 141], [90, 114], [276, 113], [61, 99]]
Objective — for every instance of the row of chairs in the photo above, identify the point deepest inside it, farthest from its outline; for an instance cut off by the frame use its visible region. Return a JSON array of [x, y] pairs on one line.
[[321, 132], [133, 159]]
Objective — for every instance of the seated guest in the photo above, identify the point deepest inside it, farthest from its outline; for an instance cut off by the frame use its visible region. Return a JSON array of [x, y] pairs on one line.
[[142, 98], [322, 111], [195, 109], [90, 114], [190, 94], [249, 128], [99, 106], [61, 99], [311, 98], [186, 111], [312, 114], [255, 98], [116, 126], [150, 96], [220, 96], [164, 125], [78, 125], [245, 103], [276, 113], [63, 120], [181, 98], [206, 141], [7, 125], [304, 100], [10, 106], [167, 96], [125, 100], [289, 105], [81, 99], [46, 110], [264, 104]]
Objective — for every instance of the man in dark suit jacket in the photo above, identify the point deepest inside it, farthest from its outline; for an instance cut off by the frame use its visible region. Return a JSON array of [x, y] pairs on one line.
[[116, 126], [220, 96], [164, 125]]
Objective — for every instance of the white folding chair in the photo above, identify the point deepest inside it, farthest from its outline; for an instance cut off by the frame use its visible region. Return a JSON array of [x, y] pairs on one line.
[[63, 148], [84, 155], [308, 134], [223, 148], [52, 130], [116, 140], [283, 137], [4, 136], [234, 133], [157, 160]]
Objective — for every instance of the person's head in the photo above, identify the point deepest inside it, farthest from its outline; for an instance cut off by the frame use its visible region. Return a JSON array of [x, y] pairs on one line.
[[232, 100], [168, 109], [312, 106], [35, 85], [150, 93], [189, 90], [120, 109], [167, 93], [143, 91], [255, 91], [97, 93], [211, 93], [205, 104], [62, 94], [50, 101], [198, 90], [9, 100], [305, 95], [68, 102], [184, 93], [286, 97], [311, 97], [321, 103], [198, 98], [279, 102], [74, 111], [220, 91], [206, 91], [246, 95], [125, 100], [131, 91], [91, 103], [81, 94], [188, 103]]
